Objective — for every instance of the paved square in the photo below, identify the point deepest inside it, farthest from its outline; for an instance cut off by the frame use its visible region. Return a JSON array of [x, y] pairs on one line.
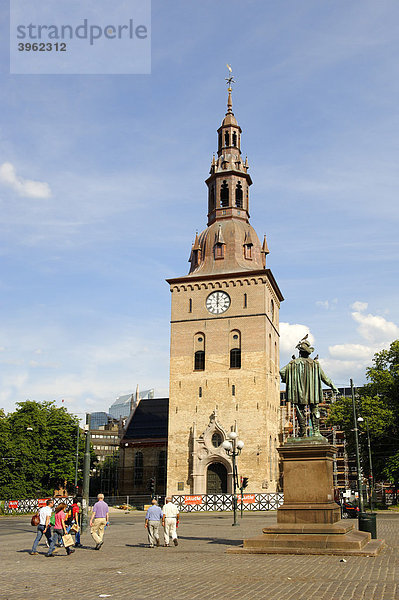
[[198, 568]]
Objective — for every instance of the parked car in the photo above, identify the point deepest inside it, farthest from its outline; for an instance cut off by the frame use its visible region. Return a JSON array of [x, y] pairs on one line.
[[349, 510]]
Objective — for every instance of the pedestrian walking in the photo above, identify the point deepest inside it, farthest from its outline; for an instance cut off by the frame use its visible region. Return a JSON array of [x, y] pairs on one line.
[[170, 521], [60, 529], [99, 520], [72, 521], [44, 526], [153, 518]]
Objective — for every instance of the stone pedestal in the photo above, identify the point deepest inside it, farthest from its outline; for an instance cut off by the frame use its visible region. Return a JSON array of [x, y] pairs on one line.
[[309, 521]]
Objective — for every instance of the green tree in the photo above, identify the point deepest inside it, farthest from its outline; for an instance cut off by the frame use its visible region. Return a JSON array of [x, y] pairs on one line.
[[378, 402], [380, 419], [383, 378], [39, 441], [7, 457]]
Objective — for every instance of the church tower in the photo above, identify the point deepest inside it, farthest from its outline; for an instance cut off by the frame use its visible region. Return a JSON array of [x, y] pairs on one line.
[[224, 360]]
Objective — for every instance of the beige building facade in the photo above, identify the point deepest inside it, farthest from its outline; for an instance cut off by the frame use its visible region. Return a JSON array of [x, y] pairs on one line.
[[224, 363]]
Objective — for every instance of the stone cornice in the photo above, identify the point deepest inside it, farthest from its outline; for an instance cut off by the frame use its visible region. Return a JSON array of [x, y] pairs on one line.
[[193, 279]]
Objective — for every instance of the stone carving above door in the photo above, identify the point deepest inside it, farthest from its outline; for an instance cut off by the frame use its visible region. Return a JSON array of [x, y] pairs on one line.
[[208, 449]]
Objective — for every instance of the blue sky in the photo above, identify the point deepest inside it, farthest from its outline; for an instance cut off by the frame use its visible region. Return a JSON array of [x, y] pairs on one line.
[[102, 189]]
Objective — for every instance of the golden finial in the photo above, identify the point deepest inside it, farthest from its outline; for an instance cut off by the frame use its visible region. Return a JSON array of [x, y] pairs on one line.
[[229, 80]]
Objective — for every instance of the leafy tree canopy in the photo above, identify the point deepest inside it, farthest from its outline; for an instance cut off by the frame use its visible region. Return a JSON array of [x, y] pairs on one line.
[[378, 404], [38, 450]]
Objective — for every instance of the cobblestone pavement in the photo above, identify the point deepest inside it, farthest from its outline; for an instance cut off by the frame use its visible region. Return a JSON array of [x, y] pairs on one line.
[[198, 568]]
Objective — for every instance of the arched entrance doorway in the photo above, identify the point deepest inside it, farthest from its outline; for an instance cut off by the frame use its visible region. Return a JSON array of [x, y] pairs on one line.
[[216, 479]]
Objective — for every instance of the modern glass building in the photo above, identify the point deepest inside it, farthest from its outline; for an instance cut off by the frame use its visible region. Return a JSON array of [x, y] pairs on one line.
[[120, 409], [99, 419]]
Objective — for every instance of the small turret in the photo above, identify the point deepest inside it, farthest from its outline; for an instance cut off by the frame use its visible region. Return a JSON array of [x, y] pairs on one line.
[[265, 251]]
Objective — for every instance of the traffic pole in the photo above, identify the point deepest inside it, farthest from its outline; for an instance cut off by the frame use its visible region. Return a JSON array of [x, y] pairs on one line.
[[86, 476]]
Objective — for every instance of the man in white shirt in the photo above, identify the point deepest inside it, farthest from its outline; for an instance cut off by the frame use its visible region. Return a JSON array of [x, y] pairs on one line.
[[170, 520], [44, 526]]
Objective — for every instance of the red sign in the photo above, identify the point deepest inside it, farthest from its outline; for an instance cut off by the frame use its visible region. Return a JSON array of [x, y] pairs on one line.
[[13, 504], [246, 499], [192, 500], [42, 502]]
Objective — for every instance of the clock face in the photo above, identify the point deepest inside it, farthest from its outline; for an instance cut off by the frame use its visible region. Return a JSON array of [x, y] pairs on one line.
[[218, 302]]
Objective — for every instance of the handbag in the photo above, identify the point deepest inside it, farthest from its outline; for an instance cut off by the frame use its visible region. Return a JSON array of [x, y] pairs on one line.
[[35, 520], [75, 528], [67, 540]]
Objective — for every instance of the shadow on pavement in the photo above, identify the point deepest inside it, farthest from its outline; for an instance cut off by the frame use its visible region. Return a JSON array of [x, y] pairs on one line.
[[211, 540]]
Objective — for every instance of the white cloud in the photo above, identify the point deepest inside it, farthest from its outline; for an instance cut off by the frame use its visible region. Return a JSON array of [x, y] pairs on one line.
[[340, 371], [347, 352], [351, 360], [322, 304], [359, 306], [375, 329], [327, 304], [87, 375], [290, 334], [24, 187]]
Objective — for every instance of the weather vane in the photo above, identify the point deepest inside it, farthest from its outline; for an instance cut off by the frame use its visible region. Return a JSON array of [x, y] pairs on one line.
[[230, 79]]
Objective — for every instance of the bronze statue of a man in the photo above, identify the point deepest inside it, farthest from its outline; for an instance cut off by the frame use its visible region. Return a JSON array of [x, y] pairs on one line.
[[303, 377]]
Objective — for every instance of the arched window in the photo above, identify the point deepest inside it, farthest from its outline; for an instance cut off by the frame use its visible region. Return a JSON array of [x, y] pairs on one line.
[[199, 352], [235, 349], [235, 358], [199, 360], [220, 140], [190, 305], [226, 139], [272, 310], [233, 389], [212, 199], [239, 195], [245, 300], [200, 392], [234, 139], [138, 468], [224, 194]]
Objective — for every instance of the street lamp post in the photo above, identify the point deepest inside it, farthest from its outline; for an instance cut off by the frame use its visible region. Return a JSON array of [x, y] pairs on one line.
[[233, 447], [356, 431], [371, 478], [86, 476]]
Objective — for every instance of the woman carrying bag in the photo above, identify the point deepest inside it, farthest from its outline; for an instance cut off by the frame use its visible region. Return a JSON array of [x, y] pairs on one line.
[[60, 532], [73, 522]]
